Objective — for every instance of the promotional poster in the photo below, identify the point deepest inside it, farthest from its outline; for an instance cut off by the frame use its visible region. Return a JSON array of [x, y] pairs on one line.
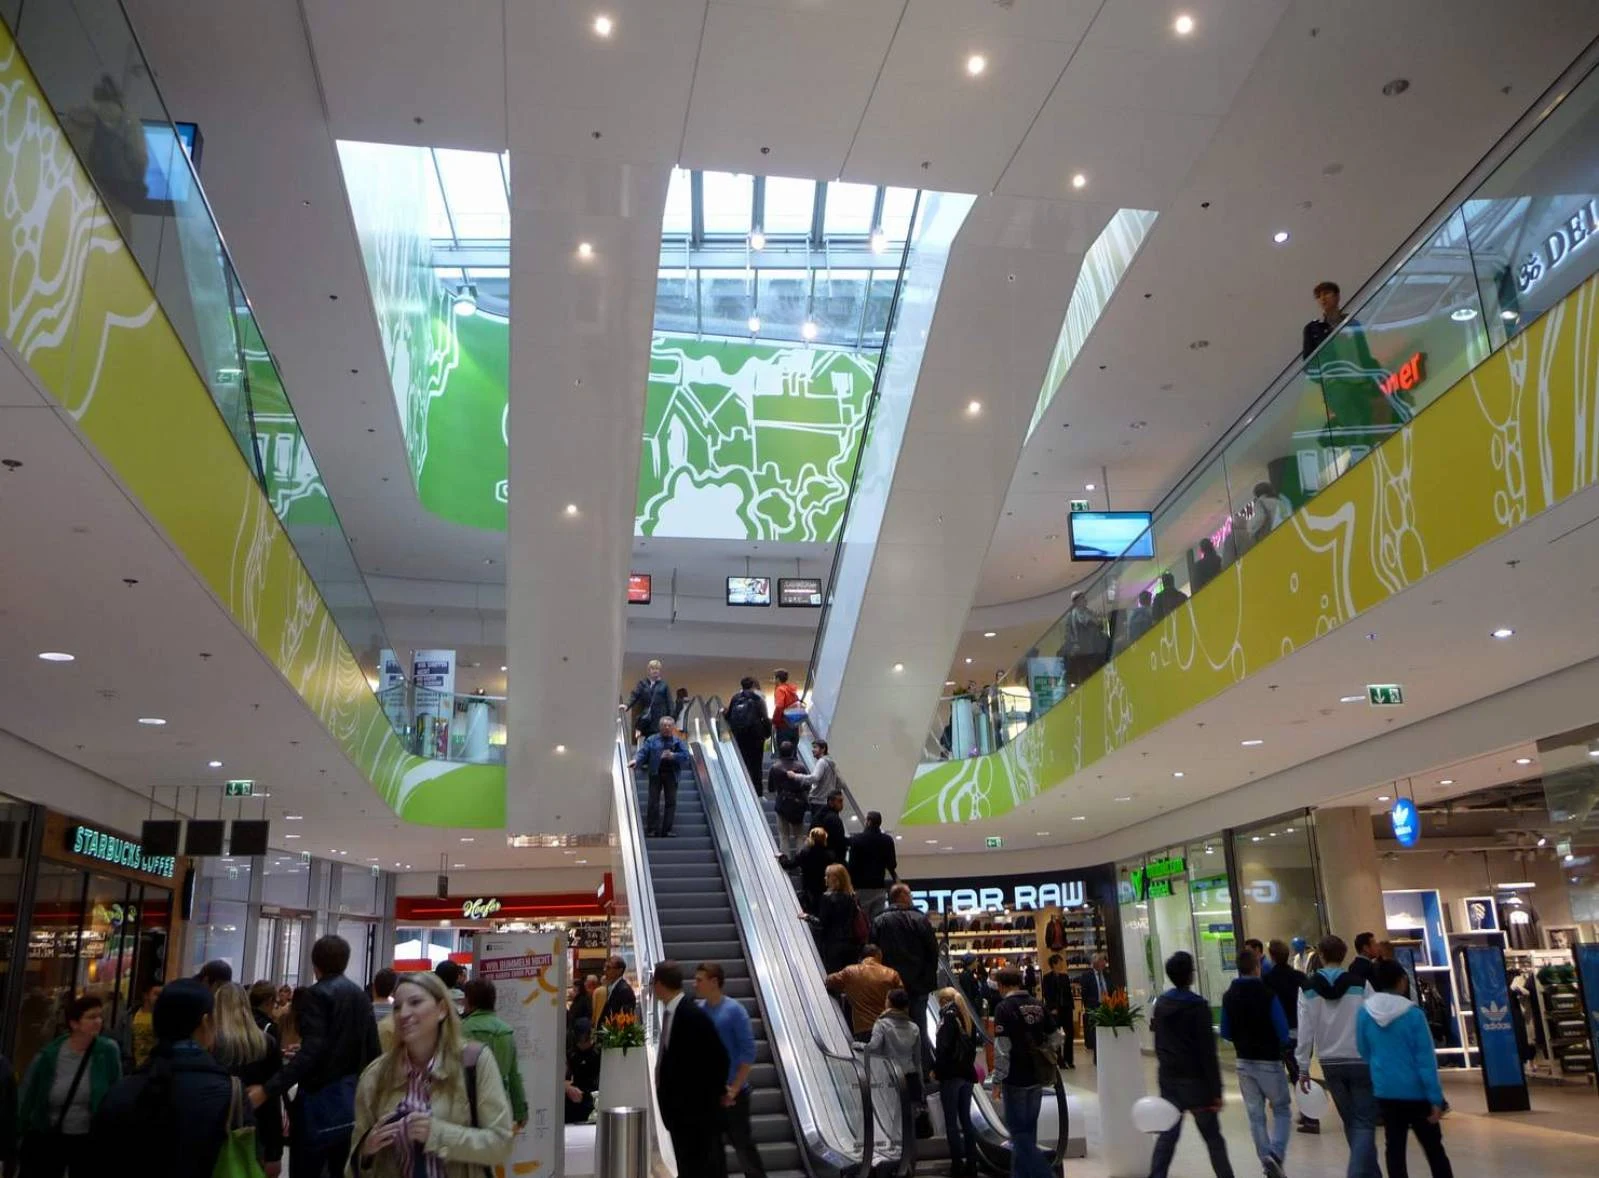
[[529, 975]]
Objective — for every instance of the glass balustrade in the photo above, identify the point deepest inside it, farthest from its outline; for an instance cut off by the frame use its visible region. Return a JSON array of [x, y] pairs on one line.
[[1487, 268]]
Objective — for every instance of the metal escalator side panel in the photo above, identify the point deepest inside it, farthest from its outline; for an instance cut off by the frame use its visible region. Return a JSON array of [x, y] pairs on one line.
[[636, 889]]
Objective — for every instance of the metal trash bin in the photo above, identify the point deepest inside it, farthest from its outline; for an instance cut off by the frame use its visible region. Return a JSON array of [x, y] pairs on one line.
[[622, 1143]]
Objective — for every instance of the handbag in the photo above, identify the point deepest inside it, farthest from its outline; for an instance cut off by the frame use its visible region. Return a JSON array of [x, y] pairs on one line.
[[238, 1157]]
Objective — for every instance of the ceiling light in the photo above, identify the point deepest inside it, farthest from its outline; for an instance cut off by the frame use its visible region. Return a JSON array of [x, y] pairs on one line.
[[1510, 316], [1463, 314], [1178, 773], [808, 329], [1079, 181], [1385, 797], [1504, 632], [1125, 798], [1523, 760], [1446, 781], [213, 764], [571, 509], [57, 656], [466, 838], [1183, 25], [560, 748], [585, 250], [1593, 748], [291, 836], [990, 634], [1543, 840], [582, 862], [603, 25], [1249, 744], [1043, 834], [949, 683], [1280, 236], [1288, 830], [931, 842], [293, 817], [754, 324], [504, 668], [968, 662], [879, 241], [898, 667], [1514, 887], [976, 64], [1254, 838], [456, 865], [1079, 817], [465, 300], [1351, 699], [152, 721], [973, 408], [1088, 486], [757, 240]]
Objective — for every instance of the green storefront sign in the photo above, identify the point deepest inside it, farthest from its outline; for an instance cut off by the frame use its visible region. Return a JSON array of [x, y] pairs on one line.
[[114, 849], [1154, 879]]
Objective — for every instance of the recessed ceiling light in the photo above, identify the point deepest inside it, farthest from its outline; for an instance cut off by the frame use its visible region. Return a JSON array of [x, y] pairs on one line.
[[976, 64], [1280, 236], [294, 817], [1254, 838], [879, 241], [899, 667], [1350, 699], [374, 859], [1079, 180], [1523, 760], [990, 634], [291, 836], [808, 329], [1079, 817], [1288, 830], [1463, 314], [973, 408], [1385, 797], [949, 683], [571, 509], [466, 838], [1125, 798], [1043, 834], [213, 764], [931, 842], [1177, 773], [1446, 781], [1504, 632], [456, 865], [1271, 834], [757, 240], [754, 324], [560, 748], [505, 668], [57, 656], [603, 26], [152, 721], [968, 662], [1088, 486], [1249, 744], [1510, 316], [1183, 25], [585, 250]]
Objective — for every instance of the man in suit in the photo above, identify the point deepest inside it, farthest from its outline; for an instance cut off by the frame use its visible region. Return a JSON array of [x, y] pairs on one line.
[[1058, 1004], [614, 996], [691, 1070], [1096, 986]]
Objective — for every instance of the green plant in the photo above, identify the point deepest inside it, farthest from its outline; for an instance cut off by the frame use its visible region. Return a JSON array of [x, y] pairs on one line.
[[620, 1032], [1115, 1011]]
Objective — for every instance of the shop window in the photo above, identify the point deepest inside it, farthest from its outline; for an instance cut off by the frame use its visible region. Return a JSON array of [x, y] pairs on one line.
[[1279, 887]]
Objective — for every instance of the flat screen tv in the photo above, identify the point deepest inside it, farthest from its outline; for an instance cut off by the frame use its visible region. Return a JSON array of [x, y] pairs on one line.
[[799, 592], [638, 588], [755, 591], [1110, 535]]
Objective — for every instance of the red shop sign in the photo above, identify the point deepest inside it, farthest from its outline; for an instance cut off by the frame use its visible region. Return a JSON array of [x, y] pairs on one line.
[[525, 907]]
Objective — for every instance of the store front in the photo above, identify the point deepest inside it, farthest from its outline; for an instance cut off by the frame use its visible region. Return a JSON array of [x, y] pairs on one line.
[[429, 929], [95, 916], [1208, 896]]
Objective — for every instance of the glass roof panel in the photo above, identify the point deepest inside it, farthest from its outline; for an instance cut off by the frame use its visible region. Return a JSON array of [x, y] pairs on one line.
[[439, 227], [474, 189], [849, 209], [790, 205], [897, 206], [728, 200], [679, 218]]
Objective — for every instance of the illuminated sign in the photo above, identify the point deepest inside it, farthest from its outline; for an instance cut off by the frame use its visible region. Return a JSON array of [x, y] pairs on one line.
[[114, 849], [1406, 822], [480, 909], [1068, 893], [1573, 233], [1385, 695], [1407, 376], [1154, 879]]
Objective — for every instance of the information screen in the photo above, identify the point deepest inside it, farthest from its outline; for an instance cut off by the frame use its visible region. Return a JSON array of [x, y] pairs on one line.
[[749, 591], [638, 588], [799, 592], [1109, 535]]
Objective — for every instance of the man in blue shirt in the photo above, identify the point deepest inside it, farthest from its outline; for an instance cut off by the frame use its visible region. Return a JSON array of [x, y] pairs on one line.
[[660, 757], [733, 1025]]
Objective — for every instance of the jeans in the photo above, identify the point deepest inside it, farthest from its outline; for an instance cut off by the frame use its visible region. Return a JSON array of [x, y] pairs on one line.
[[956, 1098], [1262, 1080], [1400, 1118], [663, 788], [1021, 1107], [736, 1132], [1209, 1129], [1349, 1085]]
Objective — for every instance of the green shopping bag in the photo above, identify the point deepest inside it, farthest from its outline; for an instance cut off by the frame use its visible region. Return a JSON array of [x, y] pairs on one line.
[[238, 1158]]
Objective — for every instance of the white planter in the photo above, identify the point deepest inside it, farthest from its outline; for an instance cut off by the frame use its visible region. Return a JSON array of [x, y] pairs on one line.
[[1120, 1068], [624, 1079]]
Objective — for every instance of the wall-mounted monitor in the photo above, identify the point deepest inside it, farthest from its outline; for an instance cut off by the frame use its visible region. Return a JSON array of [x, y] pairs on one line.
[[638, 588], [203, 838], [799, 592], [755, 591], [1110, 535]]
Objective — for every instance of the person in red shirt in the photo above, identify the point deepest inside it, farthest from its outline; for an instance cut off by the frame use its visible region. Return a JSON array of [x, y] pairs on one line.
[[785, 696]]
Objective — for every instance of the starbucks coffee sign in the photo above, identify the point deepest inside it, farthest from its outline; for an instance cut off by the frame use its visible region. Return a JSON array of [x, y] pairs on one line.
[[118, 851]]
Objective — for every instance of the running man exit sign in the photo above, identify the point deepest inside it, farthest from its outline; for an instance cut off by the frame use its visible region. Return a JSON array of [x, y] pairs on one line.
[[238, 789], [1385, 695]]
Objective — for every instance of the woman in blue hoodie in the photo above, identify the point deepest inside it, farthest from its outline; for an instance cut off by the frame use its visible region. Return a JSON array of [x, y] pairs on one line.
[[1392, 1036]]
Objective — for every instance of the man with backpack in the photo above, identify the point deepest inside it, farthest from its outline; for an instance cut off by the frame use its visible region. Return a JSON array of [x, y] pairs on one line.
[[1024, 1066], [746, 716]]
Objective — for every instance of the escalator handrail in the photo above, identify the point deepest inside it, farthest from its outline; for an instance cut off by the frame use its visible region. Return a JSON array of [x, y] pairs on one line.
[[784, 907], [648, 947]]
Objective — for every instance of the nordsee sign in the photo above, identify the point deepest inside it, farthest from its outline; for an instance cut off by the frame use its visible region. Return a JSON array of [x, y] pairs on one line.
[[1068, 893], [110, 848]]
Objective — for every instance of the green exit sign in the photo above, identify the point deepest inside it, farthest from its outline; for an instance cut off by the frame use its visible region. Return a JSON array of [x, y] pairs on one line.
[[993, 842], [1079, 505], [238, 789], [1385, 695]]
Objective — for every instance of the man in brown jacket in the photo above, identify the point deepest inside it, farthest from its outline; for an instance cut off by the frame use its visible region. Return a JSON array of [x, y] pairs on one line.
[[866, 985]]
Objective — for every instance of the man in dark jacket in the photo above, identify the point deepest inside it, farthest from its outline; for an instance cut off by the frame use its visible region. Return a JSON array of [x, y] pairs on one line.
[[660, 757], [872, 861], [1023, 1068], [1283, 980], [690, 1076], [791, 798], [910, 948], [1096, 985], [1058, 1001], [1252, 1019], [170, 1119], [1364, 964], [746, 716], [831, 819], [651, 699], [1188, 1069], [337, 1040]]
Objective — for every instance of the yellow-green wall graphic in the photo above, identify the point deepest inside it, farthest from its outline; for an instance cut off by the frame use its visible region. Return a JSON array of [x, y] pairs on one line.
[[79, 311], [1513, 438]]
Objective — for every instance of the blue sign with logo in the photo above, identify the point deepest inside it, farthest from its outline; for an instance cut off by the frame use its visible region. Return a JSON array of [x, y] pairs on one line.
[[1407, 823], [1496, 1015], [1588, 982]]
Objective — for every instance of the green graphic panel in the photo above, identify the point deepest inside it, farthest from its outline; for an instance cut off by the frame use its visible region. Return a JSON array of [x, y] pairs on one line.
[[462, 477]]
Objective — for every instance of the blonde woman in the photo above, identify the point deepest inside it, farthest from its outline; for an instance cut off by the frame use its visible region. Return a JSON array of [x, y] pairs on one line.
[[837, 928], [955, 1070], [251, 1054], [813, 861], [413, 1112]]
